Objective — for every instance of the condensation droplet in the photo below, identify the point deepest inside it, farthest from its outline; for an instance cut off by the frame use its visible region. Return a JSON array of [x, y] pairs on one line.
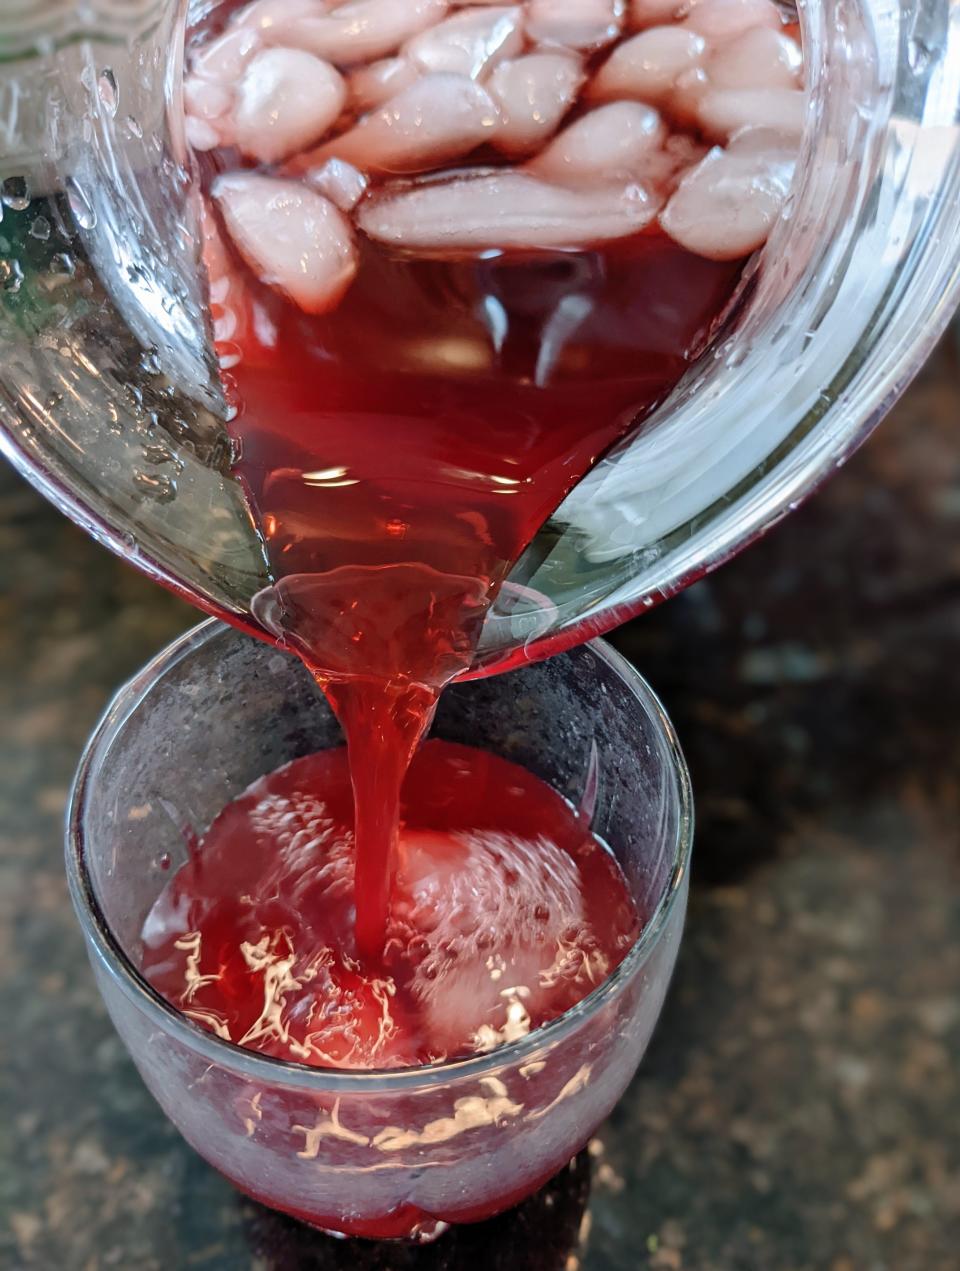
[[735, 357], [164, 861], [40, 229], [62, 265], [157, 452], [53, 400], [150, 362], [11, 276], [107, 90], [156, 486], [80, 205], [15, 194], [133, 128]]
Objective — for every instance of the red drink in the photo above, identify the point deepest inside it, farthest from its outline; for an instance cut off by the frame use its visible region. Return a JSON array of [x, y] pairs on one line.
[[505, 913], [395, 487], [443, 285]]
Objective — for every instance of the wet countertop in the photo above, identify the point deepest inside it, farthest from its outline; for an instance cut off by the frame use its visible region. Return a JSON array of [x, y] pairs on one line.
[[800, 1103]]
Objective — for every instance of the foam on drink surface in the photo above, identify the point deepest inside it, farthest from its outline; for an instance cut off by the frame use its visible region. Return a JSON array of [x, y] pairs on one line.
[[505, 912]]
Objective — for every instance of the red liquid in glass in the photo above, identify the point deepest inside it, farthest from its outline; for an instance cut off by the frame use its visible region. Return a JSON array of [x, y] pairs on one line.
[[505, 912], [401, 452]]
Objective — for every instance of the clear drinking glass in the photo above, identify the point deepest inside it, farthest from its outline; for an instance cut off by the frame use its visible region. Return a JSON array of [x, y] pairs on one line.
[[397, 1153]]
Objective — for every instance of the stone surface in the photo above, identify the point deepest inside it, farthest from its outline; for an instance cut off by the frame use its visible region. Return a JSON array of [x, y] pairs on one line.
[[798, 1108]]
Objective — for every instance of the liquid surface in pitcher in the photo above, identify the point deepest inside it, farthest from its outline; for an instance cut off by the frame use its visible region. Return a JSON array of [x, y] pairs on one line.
[[453, 255]]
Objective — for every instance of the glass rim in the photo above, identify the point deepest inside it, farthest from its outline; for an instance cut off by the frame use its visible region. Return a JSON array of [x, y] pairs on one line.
[[288, 1073]]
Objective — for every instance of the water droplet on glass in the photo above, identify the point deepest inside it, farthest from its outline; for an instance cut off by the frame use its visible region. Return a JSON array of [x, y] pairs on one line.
[[53, 401], [920, 54], [80, 205], [62, 265], [150, 362], [164, 861], [156, 486], [14, 194], [735, 357], [157, 452], [133, 128], [107, 90], [11, 276], [40, 229]]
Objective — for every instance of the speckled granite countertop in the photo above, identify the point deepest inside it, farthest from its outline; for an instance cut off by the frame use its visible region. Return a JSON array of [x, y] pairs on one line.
[[800, 1104]]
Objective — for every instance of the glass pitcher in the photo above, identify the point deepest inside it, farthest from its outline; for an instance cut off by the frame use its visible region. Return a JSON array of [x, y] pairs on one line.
[[110, 401]]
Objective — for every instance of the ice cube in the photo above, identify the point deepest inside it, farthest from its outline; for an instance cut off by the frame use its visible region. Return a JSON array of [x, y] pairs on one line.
[[488, 915], [371, 86], [646, 67], [200, 134], [501, 209], [438, 118], [263, 15], [722, 112], [344, 1018], [616, 139], [224, 59], [760, 58], [292, 237], [533, 93], [340, 182], [575, 24], [726, 19], [470, 42], [725, 207], [286, 100], [358, 31], [206, 99], [645, 13]]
